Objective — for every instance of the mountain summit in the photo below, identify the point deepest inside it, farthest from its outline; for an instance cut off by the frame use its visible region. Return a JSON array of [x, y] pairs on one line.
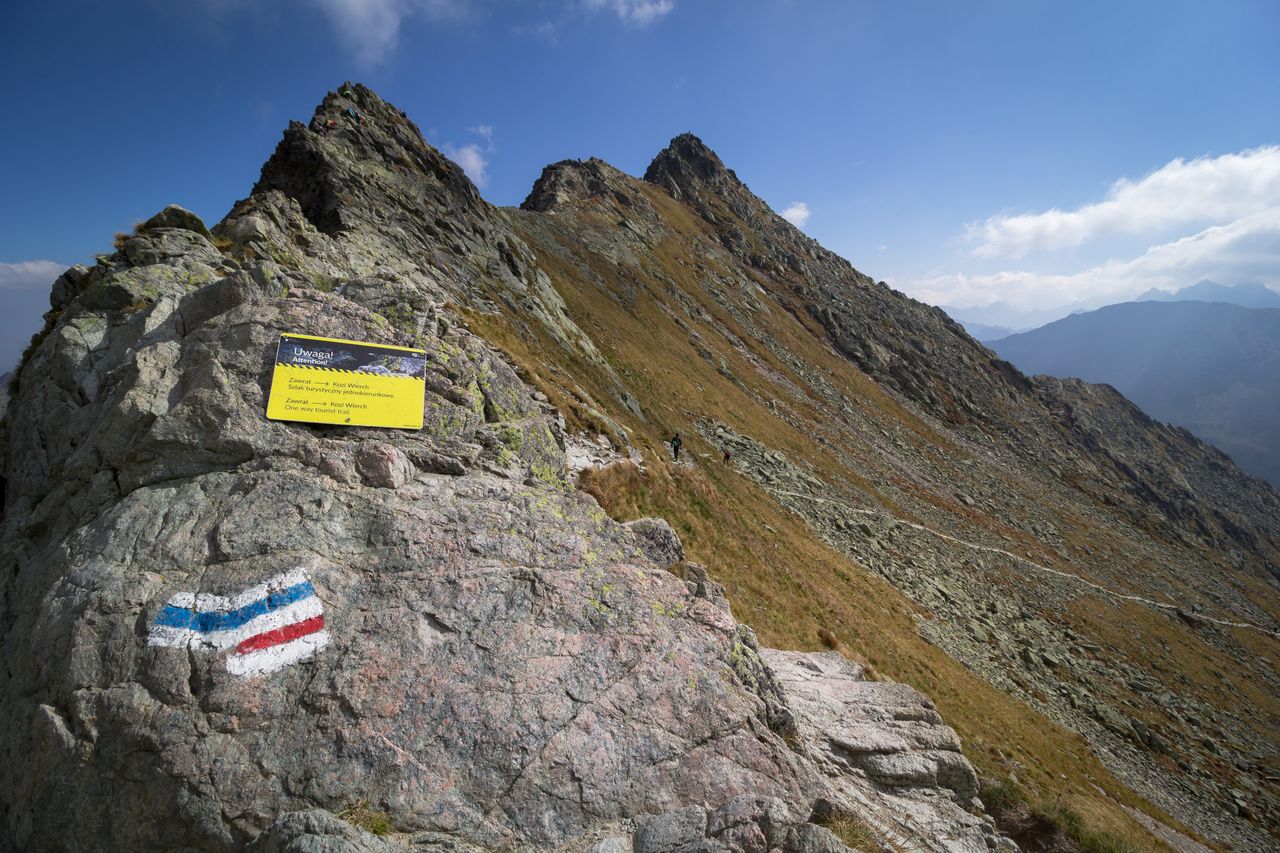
[[687, 165], [531, 606]]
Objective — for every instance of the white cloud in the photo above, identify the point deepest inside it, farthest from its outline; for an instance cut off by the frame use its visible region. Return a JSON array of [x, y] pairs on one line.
[[1203, 191], [1215, 218], [638, 12], [1245, 249], [29, 275], [370, 29], [486, 132], [472, 159], [797, 213]]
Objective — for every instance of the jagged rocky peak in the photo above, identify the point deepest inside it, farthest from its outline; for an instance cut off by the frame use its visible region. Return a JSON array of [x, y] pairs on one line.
[[693, 173], [685, 164], [570, 181], [359, 158]]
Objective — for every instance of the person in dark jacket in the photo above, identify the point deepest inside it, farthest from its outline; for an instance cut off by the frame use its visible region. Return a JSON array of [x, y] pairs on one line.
[[676, 444]]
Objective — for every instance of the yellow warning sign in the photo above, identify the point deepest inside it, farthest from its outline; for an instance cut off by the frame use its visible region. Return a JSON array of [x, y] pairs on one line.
[[332, 381]]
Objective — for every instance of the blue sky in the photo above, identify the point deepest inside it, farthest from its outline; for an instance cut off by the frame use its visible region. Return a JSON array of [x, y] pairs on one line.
[[1041, 154]]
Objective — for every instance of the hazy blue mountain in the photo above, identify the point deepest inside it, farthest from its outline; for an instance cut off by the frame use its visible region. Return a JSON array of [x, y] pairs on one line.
[[984, 332], [1002, 314], [1213, 368], [1251, 295]]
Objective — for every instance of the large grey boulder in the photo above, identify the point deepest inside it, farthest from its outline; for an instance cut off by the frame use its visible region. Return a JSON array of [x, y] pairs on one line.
[[503, 662], [317, 831], [743, 824], [887, 754]]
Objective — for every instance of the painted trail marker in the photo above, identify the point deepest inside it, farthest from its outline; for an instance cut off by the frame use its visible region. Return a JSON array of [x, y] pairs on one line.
[[332, 381], [266, 627]]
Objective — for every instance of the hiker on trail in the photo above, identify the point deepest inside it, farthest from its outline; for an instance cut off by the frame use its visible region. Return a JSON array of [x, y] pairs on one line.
[[351, 112], [726, 457], [675, 446]]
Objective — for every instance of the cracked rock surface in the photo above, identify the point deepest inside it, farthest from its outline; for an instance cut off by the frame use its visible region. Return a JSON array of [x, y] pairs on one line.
[[889, 756]]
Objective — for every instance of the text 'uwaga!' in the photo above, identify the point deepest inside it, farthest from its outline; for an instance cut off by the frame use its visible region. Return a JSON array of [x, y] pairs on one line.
[[332, 381]]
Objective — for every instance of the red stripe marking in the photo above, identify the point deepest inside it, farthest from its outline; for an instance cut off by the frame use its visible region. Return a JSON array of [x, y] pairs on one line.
[[267, 639]]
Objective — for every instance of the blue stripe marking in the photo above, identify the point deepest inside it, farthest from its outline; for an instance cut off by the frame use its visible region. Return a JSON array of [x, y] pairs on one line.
[[215, 620]]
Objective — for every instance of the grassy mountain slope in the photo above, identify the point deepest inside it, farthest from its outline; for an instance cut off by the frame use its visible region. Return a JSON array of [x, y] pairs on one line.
[[700, 334]]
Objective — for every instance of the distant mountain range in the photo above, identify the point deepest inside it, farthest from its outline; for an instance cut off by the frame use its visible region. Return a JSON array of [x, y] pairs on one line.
[[1250, 295], [983, 332], [1000, 319], [1211, 367]]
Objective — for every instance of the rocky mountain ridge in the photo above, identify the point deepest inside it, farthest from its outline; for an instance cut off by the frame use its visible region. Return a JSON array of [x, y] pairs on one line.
[[1067, 476], [508, 666], [511, 666]]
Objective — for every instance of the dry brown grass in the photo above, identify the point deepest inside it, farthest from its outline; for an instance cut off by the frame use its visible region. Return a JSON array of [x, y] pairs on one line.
[[123, 237], [794, 590], [834, 643], [366, 817], [853, 833]]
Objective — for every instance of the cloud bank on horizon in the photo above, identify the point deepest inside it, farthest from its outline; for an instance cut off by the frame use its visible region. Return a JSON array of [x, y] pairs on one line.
[[29, 275], [24, 287], [1209, 217]]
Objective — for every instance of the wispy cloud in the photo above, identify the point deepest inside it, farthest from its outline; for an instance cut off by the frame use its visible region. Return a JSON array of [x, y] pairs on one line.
[[29, 275], [640, 13], [636, 13], [797, 213], [1203, 191], [548, 31], [370, 29]]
